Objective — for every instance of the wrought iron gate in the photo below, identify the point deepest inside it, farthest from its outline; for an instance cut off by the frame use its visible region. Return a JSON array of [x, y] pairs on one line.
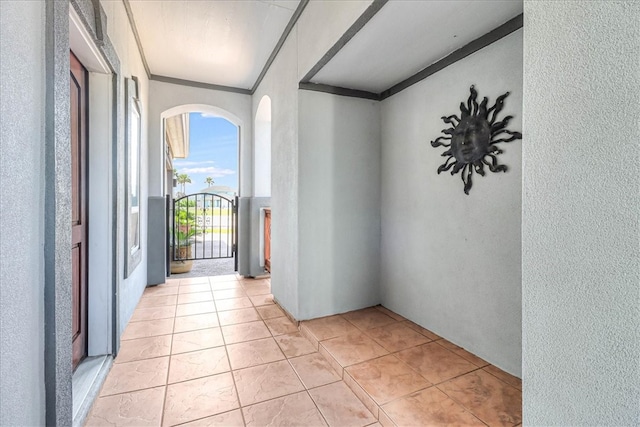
[[204, 226]]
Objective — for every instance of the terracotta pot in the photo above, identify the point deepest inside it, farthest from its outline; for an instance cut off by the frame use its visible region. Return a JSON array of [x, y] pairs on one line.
[[183, 252], [182, 264], [178, 267]]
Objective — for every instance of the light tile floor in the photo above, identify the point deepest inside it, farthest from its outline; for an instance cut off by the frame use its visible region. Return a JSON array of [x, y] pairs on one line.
[[409, 376], [217, 351]]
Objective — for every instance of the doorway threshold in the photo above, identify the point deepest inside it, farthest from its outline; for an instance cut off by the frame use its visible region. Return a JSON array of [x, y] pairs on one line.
[[86, 383]]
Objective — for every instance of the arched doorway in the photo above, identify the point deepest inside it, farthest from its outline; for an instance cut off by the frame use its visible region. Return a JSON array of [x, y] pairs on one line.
[[262, 178], [201, 145]]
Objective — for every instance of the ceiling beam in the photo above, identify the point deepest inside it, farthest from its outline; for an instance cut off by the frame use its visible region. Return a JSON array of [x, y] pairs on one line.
[[200, 85], [346, 37], [481, 42], [337, 90], [132, 23], [283, 38], [466, 50]]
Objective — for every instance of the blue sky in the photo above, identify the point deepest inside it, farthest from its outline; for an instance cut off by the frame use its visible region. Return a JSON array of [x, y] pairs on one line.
[[213, 151]]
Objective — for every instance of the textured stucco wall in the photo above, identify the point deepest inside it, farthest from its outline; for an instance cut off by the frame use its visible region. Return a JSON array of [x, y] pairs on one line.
[[57, 217], [262, 149], [450, 261], [339, 213], [22, 99], [121, 36], [580, 252], [319, 27], [261, 184], [281, 85]]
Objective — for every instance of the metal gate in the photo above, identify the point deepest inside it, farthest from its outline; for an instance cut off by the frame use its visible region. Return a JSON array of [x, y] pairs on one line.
[[204, 226]]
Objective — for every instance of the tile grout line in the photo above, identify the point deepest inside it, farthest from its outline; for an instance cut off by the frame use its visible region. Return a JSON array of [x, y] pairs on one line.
[[345, 372], [273, 336], [498, 378], [477, 368], [462, 404], [233, 377], [306, 390], [166, 380], [441, 345], [376, 416], [230, 369], [186, 352], [435, 385], [315, 404], [172, 336], [133, 391], [208, 416]]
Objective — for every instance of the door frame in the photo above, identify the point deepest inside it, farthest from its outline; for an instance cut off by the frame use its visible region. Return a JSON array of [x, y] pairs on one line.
[[101, 151], [62, 19]]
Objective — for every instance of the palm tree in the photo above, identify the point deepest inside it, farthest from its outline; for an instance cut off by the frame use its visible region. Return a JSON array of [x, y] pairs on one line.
[[209, 181], [183, 179]]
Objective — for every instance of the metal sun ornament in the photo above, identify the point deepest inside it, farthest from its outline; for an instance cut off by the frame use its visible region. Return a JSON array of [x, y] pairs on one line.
[[473, 137]]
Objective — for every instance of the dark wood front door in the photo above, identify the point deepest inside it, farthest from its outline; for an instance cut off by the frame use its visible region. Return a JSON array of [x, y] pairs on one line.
[[78, 93]]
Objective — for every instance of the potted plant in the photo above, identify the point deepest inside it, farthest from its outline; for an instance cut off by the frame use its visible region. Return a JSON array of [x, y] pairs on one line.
[[185, 231]]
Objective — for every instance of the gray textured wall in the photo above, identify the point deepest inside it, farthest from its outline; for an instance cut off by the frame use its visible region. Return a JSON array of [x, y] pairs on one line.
[[156, 241], [244, 229], [129, 63], [280, 83], [57, 217], [319, 27], [450, 261], [339, 204], [580, 252], [22, 100]]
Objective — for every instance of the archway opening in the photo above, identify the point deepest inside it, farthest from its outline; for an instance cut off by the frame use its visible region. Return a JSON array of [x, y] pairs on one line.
[[262, 178], [202, 176]]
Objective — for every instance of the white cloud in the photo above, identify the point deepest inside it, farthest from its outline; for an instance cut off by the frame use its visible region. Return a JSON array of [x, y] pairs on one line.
[[181, 163], [211, 115], [210, 171]]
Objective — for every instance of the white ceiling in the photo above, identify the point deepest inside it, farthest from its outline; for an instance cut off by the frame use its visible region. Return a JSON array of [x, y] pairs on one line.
[[219, 42], [405, 37]]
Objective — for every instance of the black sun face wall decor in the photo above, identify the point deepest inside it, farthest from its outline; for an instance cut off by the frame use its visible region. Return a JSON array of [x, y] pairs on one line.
[[472, 138]]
